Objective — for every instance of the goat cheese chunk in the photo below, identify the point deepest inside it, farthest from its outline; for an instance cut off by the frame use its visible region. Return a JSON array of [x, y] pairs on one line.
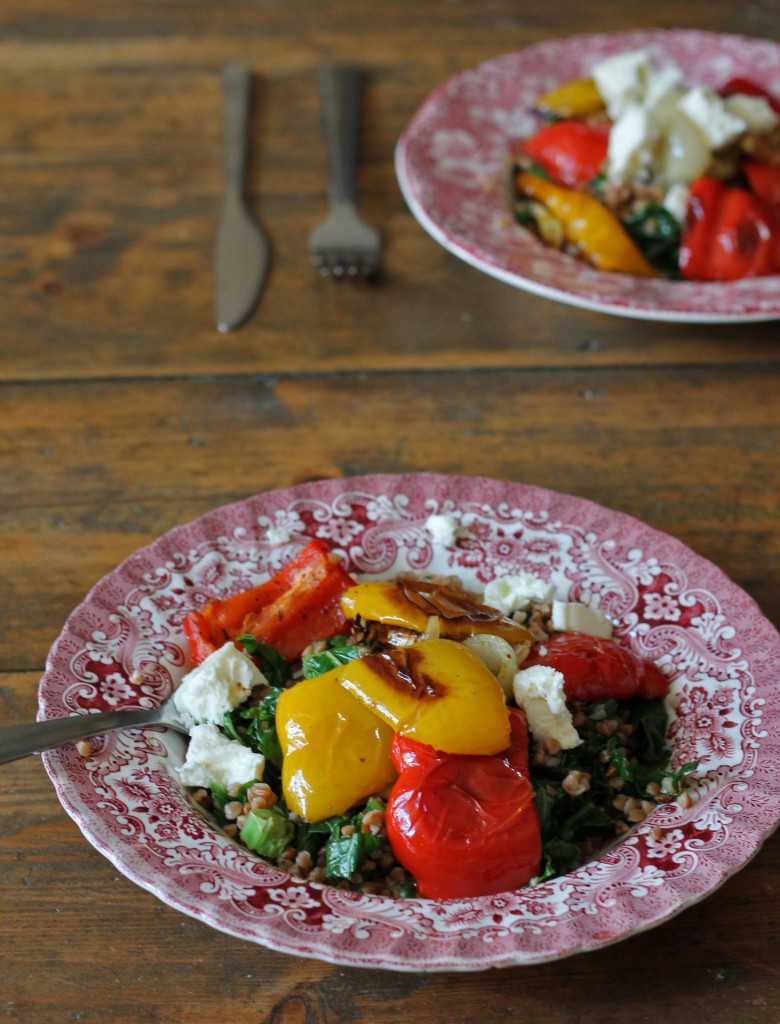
[[676, 201], [755, 111], [708, 112], [515, 593], [622, 79], [212, 757], [632, 143], [539, 692], [278, 535], [220, 683], [664, 132], [580, 618], [445, 529]]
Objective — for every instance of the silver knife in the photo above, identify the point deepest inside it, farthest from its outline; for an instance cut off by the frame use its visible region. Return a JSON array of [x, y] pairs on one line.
[[242, 253]]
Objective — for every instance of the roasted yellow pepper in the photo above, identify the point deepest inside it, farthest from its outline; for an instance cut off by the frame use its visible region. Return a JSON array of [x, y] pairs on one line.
[[588, 224], [336, 752], [436, 692], [411, 603], [576, 98]]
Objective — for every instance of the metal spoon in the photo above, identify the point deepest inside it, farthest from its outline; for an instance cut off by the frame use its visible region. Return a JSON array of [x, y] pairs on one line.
[[20, 740]]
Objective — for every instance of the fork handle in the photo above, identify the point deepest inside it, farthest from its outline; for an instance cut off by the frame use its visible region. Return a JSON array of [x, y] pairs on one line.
[[340, 87], [236, 100], [20, 740]]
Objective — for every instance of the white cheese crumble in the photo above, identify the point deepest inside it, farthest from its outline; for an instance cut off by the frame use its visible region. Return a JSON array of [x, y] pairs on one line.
[[624, 79], [662, 131], [708, 112], [445, 529], [580, 618], [632, 142], [220, 683], [515, 593], [676, 201], [755, 111], [539, 692], [212, 757]]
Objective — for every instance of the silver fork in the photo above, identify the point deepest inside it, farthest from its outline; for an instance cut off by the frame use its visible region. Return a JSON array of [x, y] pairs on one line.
[[20, 740], [343, 244]]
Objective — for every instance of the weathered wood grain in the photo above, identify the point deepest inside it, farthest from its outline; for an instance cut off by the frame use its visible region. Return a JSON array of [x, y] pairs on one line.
[[89, 474], [110, 159]]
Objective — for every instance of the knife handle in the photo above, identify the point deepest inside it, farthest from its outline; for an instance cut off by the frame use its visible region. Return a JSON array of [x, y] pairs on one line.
[[236, 98], [340, 87]]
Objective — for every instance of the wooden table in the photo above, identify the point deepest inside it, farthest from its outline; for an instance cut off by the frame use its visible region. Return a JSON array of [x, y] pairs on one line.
[[124, 413]]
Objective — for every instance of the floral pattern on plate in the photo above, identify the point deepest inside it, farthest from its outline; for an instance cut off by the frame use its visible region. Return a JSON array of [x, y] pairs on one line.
[[452, 167], [123, 647]]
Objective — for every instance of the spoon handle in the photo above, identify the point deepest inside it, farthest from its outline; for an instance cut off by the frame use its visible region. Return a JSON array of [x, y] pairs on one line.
[[20, 740]]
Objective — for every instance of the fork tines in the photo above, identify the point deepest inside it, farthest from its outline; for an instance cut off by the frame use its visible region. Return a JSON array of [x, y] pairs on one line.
[[346, 264], [343, 245]]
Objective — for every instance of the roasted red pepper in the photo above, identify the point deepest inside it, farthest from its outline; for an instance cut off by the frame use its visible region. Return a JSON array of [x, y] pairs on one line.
[[764, 180], [729, 234], [199, 636], [298, 605], [747, 87], [594, 667], [463, 824], [571, 152]]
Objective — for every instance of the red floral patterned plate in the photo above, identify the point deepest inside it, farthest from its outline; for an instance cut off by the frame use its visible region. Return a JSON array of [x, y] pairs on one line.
[[451, 163], [670, 604]]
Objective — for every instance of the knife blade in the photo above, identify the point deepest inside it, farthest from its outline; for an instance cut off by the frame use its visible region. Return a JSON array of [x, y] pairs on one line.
[[242, 255]]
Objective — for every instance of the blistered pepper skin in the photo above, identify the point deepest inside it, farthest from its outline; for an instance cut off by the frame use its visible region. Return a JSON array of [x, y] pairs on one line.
[[465, 826], [579, 97], [572, 153], [729, 234], [336, 751], [411, 604], [299, 604], [436, 692], [588, 224], [597, 667]]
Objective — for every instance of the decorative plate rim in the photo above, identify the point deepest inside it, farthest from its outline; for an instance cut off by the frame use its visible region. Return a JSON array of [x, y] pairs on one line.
[[454, 189], [121, 795]]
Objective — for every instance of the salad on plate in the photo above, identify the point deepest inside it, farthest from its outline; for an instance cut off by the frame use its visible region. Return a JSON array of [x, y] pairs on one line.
[[409, 736], [647, 852]]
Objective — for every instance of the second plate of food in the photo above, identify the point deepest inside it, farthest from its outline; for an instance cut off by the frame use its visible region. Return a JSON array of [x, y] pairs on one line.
[[452, 163]]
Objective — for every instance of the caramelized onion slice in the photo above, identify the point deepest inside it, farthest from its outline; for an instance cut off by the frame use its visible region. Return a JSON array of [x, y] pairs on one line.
[[498, 655]]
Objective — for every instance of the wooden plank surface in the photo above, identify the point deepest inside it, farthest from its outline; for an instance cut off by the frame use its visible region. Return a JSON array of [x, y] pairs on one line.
[[123, 414], [96, 477], [110, 146]]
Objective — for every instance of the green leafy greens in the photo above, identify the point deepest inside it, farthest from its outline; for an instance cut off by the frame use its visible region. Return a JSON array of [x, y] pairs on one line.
[[639, 757], [657, 233], [337, 652], [270, 662]]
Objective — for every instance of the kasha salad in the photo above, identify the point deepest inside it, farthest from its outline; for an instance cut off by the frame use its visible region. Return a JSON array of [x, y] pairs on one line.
[[407, 736], [634, 171]]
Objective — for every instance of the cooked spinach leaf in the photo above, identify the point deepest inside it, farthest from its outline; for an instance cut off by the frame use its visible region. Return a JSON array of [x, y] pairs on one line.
[[615, 763], [337, 652], [657, 233], [273, 666]]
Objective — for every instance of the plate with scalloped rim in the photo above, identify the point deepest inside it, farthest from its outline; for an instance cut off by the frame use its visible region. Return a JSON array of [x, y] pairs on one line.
[[667, 602], [452, 167]]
